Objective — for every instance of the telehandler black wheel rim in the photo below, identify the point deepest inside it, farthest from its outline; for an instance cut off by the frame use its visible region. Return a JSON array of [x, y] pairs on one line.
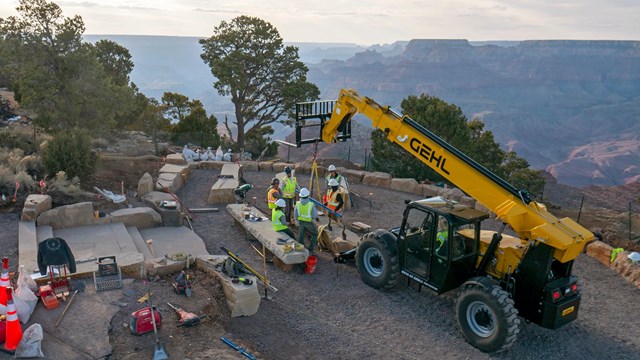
[[373, 262], [481, 319]]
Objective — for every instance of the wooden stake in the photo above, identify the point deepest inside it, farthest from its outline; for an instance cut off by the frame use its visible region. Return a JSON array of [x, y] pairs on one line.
[[66, 308]]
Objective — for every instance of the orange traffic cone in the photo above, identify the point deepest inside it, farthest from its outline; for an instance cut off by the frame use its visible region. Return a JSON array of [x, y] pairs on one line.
[[4, 281], [14, 331]]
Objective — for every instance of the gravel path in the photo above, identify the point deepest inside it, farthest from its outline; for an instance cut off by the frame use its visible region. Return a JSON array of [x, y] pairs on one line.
[[333, 314]]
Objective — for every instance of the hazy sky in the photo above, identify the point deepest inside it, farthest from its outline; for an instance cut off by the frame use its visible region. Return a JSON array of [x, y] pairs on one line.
[[366, 22]]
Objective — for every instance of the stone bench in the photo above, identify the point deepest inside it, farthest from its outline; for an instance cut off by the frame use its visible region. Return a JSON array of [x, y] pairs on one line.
[[222, 191], [263, 232]]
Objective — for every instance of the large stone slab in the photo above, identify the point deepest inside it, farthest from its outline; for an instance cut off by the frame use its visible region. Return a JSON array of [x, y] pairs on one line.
[[263, 232], [170, 217], [279, 166], [79, 214], [222, 191], [140, 217], [34, 205], [378, 179], [177, 159], [171, 181], [627, 269], [451, 193], [28, 246], [242, 300], [183, 170]]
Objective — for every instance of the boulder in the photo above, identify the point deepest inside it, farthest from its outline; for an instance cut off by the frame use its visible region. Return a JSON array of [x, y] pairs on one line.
[[600, 251], [34, 205], [430, 190], [249, 165], [140, 217], [265, 166], [353, 175], [452, 193], [404, 184], [211, 164], [145, 184], [627, 269], [79, 214], [469, 201], [377, 179], [279, 166]]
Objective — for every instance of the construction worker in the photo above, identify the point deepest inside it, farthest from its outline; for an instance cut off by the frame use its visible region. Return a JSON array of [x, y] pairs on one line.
[[441, 237], [304, 213], [334, 201], [278, 221], [333, 174], [290, 188], [273, 193]]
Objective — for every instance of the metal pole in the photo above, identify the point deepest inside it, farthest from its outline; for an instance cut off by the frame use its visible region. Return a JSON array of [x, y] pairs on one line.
[[630, 220], [580, 211]]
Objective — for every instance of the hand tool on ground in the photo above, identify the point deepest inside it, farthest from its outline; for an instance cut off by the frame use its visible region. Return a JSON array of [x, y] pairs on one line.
[[182, 285], [338, 215], [238, 348], [150, 245], [66, 307], [236, 259], [187, 319], [245, 281], [158, 353]]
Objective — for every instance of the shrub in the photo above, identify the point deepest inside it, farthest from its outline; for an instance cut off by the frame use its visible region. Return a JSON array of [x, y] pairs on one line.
[[69, 151]]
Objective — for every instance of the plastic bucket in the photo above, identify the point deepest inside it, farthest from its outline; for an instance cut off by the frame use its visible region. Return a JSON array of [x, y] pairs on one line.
[[311, 265]]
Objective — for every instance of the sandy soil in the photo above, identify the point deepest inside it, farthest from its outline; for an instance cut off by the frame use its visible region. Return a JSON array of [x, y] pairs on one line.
[[333, 314]]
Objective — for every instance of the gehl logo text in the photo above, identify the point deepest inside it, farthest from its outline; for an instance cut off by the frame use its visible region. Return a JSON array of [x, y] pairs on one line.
[[427, 153]]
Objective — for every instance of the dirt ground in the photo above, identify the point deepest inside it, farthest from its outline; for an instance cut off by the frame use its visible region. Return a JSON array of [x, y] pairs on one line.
[[332, 314]]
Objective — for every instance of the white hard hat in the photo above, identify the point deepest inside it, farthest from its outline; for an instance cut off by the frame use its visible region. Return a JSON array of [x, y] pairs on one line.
[[333, 182], [304, 192], [281, 203], [634, 257], [332, 168]]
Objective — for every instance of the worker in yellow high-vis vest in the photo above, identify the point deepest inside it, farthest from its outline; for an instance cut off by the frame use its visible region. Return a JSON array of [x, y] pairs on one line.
[[304, 214], [278, 221], [290, 188]]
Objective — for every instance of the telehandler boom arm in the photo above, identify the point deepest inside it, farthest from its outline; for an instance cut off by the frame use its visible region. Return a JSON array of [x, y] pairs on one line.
[[528, 218]]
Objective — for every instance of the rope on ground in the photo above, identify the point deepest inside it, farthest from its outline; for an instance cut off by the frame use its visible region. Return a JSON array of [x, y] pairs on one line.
[[309, 315]]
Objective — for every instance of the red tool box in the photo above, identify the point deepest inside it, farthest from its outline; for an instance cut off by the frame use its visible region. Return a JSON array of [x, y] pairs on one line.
[[140, 321]]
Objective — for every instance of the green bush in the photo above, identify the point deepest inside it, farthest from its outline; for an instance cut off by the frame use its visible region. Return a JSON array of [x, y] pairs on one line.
[[70, 151], [16, 140]]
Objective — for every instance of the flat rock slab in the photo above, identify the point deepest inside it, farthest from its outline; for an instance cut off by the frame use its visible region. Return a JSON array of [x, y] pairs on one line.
[[263, 232], [222, 191], [78, 336], [183, 170], [167, 240]]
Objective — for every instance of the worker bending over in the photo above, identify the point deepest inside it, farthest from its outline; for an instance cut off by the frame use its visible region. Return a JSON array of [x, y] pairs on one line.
[[334, 201], [290, 188], [273, 193], [278, 221], [304, 213]]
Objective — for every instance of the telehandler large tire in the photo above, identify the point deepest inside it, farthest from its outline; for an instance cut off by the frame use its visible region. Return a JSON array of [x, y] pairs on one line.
[[377, 259], [487, 317]]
